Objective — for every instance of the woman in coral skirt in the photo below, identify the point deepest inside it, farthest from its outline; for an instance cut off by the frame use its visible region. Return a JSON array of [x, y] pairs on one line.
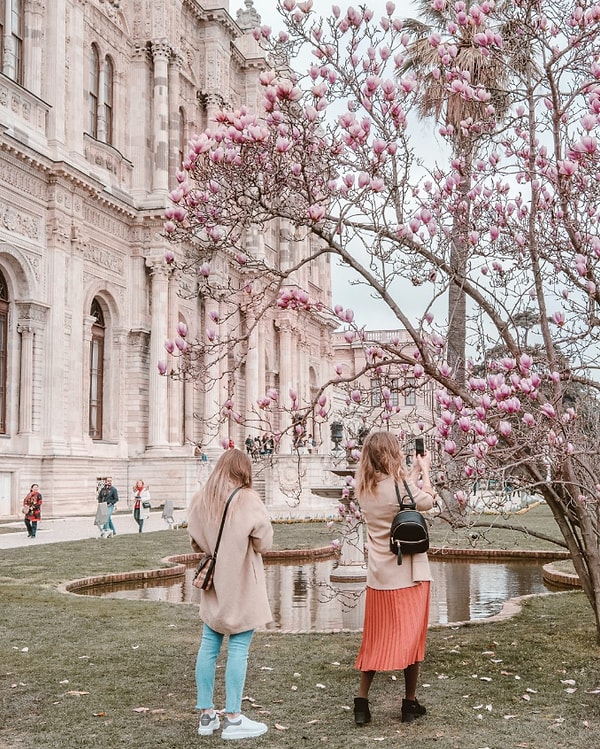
[[397, 597]]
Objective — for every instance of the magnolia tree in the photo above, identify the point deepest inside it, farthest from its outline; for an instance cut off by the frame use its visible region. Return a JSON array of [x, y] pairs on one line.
[[333, 156]]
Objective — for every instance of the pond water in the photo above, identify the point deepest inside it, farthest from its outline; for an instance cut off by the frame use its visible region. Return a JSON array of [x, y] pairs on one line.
[[304, 600]]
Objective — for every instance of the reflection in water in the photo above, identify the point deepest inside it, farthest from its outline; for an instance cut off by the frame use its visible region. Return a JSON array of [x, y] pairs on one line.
[[303, 599]]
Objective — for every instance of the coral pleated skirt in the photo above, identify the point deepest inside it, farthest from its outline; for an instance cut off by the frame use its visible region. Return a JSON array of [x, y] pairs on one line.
[[394, 629]]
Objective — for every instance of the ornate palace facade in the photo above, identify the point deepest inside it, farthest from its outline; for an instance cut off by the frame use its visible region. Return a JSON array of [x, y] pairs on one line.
[[97, 101]]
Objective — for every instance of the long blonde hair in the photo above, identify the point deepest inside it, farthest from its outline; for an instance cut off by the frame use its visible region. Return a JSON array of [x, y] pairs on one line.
[[233, 469], [381, 454]]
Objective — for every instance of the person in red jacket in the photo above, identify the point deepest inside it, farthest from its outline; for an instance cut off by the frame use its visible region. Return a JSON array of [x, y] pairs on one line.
[[32, 507]]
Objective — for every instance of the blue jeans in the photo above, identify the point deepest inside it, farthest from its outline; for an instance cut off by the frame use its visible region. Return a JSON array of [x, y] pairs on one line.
[[235, 671], [109, 523]]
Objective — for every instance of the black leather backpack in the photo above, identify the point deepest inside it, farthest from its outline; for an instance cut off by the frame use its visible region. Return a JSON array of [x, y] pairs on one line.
[[409, 533]]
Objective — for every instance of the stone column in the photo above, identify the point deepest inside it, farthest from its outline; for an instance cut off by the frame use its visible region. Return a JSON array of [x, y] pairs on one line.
[[101, 134], [252, 368], [9, 60], [31, 324], [33, 31], [158, 385], [174, 70], [26, 380], [212, 389], [286, 374], [88, 322], [54, 88], [161, 51], [174, 387]]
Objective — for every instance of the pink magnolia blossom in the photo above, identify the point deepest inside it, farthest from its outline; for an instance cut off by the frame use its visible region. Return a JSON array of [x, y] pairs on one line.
[[316, 212], [548, 410], [450, 447], [504, 428], [465, 424], [529, 420], [161, 366]]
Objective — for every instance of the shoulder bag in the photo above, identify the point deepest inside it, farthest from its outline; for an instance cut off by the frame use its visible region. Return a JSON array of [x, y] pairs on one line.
[[205, 570], [409, 533]]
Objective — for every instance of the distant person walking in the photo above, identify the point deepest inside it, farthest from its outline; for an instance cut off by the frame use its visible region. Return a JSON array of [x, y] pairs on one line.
[[109, 495], [141, 503], [237, 603], [397, 597], [32, 508]]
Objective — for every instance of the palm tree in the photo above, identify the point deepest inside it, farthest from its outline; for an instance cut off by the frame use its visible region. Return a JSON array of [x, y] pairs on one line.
[[468, 120]]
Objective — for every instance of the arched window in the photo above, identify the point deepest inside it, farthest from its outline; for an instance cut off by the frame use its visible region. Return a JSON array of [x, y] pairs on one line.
[[109, 74], [94, 90], [96, 371], [3, 350]]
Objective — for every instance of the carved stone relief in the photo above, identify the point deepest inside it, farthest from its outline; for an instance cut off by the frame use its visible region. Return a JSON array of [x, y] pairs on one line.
[[18, 222], [21, 181], [104, 258]]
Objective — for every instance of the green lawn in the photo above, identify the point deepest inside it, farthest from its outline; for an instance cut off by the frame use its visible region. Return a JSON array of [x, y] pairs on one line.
[[105, 673]]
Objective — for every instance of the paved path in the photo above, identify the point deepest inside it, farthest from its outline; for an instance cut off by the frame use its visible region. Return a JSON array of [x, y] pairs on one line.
[[74, 528]]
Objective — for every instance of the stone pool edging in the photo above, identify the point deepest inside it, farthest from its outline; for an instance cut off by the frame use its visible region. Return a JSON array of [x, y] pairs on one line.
[[179, 563]]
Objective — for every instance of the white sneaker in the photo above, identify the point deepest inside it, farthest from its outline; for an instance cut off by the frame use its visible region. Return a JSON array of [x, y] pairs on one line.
[[242, 728], [208, 724]]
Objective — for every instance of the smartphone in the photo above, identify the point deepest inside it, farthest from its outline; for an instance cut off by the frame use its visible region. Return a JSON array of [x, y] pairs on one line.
[[419, 446]]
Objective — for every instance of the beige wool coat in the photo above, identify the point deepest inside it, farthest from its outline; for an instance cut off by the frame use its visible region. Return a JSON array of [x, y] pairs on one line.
[[379, 509], [238, 599]]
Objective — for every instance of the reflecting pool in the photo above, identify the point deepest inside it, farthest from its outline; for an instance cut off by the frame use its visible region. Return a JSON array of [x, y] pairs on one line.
[[303, 599]]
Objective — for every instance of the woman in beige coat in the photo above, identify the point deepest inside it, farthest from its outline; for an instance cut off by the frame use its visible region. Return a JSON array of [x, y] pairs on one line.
[[237, 603], [397, 597]]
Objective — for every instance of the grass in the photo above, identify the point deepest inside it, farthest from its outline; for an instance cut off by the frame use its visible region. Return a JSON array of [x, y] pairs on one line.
[[81, 671]]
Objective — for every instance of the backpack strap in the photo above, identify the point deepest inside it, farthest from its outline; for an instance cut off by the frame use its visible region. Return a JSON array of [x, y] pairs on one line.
[[403, 506], [231, 496]]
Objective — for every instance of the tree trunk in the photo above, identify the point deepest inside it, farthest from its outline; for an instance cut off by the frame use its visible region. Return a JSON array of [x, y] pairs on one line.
[[457, 300]]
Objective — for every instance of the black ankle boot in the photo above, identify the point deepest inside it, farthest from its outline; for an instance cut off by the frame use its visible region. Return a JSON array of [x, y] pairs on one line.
[[411, 710], [362, 714]]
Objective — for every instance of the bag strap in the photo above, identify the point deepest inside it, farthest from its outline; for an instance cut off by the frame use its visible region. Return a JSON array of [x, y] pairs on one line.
[[231, 496], [403, 506]]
